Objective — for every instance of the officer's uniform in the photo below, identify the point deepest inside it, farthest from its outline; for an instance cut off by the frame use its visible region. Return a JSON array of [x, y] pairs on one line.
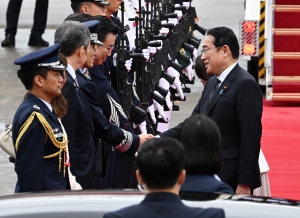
[[121, 140], [120, 167], [37, 135]]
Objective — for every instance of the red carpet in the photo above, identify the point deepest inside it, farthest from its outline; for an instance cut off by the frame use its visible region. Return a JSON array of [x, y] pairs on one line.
[[281, 146]]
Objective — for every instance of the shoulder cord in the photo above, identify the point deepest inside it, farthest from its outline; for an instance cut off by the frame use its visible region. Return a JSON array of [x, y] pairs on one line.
[[60, 145]]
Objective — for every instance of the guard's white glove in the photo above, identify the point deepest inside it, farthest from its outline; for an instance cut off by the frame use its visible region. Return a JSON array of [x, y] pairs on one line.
[[176, 84], [164, 30], [146, 54], [128, 64], [186, 4], [178, 12], [143, 127], [166, 85], [115, 59], [188, 71], [173, 21], [195, 54], [153, 50], [160, 109]]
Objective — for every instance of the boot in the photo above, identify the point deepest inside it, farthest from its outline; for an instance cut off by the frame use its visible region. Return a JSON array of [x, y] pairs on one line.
[[37, 41], [9, 41]]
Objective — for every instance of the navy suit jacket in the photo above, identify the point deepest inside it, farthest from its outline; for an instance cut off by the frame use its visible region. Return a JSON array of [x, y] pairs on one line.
[[237, 109], [204, 183], [103, 128], [34, 172], [163, 204], [82, 142]]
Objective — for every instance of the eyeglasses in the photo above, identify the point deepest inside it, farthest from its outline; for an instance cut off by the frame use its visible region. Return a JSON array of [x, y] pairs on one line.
[[108, 48], [204, 50]]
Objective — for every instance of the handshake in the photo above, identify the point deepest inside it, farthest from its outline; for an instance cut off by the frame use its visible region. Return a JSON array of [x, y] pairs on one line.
[[144, 137]]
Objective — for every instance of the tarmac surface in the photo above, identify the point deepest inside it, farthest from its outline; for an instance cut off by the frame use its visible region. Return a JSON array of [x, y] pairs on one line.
[[211, 14]]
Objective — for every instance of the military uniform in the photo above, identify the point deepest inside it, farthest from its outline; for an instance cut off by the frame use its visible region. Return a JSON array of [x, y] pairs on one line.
[[37, 134], [120, 166], [35, 171]]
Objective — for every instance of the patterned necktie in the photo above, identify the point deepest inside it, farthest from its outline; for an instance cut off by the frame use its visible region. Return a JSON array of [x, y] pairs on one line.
[[87, 74], [213, 90]]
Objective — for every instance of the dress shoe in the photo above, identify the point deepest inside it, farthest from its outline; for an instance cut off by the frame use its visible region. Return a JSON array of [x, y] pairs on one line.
[[37, 41], [9, 41]]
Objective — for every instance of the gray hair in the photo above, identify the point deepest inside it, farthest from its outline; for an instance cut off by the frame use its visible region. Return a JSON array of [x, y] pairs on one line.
[[72, 35]]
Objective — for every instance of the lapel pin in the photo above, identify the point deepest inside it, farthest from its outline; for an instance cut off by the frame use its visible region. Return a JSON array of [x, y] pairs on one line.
[[222, 92]]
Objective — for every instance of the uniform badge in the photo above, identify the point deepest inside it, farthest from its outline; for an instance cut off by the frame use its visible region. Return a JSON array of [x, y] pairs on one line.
[[36, 107]]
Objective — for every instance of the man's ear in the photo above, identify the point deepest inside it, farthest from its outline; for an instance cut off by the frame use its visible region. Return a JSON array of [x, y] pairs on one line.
[[181, 177], [84, 9], [226, 51], [81, 51], [139, 177], [38, 80]]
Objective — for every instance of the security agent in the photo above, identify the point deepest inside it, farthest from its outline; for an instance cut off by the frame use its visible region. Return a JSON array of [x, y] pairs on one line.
[[92, 7], [161, 168], [39, 141]]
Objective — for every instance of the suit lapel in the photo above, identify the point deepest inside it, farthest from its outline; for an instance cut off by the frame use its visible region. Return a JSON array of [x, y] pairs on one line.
[[225, 85]]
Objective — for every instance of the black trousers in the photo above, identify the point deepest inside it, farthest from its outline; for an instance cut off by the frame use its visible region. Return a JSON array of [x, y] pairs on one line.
[[39, 19]]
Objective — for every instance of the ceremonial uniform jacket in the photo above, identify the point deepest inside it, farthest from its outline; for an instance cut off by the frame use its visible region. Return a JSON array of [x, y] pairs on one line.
[[34, 172], [109, 99], [104, 129], [80, 130]]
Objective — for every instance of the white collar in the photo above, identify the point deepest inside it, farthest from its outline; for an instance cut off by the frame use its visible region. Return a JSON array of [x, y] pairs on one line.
[[47, 104], [225, 73], [71, 71]]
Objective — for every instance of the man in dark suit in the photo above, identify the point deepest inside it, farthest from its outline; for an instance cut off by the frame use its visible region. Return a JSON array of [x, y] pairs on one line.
[[233, 99], [83, 150], [160, 166], [37, 134], [121, 140]]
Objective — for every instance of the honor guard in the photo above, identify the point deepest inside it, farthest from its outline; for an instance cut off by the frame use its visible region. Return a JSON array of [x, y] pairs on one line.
[[37, 134], [92, 7]]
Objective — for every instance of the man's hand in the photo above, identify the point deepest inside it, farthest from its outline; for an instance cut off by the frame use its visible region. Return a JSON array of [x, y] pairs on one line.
[[243, 189], [144, 138]]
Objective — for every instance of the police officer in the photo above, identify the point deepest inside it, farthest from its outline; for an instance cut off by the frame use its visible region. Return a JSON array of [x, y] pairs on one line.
[[38, 28], [39, 141]]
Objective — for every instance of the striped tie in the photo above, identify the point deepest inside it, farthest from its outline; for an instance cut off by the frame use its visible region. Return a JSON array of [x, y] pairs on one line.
[[213, 90]]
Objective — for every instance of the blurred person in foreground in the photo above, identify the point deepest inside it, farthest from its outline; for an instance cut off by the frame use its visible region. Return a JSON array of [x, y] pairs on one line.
[[233, 99], [201, 139], [37, 134], [160, 166]]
